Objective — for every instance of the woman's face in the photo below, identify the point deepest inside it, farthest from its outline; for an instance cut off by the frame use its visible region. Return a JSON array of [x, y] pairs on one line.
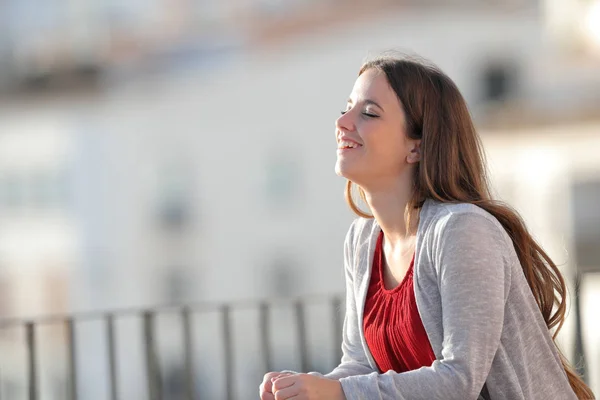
[[372, 146]]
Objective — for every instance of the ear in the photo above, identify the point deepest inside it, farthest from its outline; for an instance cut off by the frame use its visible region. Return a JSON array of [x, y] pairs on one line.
[[414, 156]]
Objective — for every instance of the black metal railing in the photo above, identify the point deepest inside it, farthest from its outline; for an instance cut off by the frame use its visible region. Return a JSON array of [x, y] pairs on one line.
[[151, 351]]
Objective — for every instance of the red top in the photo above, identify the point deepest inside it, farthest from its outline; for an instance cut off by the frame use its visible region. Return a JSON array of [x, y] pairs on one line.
[[393, 328]]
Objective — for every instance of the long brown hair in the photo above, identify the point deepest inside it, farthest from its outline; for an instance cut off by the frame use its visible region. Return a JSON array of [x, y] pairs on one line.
[[452, 169]]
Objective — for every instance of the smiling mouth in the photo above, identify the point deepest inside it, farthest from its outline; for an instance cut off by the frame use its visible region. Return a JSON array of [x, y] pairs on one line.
[[347, 145]]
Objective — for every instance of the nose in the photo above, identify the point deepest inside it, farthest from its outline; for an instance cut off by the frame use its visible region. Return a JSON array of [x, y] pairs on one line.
[[344, 123]]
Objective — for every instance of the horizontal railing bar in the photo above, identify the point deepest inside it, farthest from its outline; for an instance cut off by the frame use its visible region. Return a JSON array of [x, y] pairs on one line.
[[202, 307]]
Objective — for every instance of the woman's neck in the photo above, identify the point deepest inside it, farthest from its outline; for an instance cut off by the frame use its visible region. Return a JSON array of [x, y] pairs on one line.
[[390, 209]]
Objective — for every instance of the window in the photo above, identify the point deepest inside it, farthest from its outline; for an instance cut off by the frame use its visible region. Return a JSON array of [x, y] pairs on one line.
[[586, 219], [41, 189], [11, 191], [499, 81], [174, 197], [177, 284], [282, 180], [6, 304], [282, 280]]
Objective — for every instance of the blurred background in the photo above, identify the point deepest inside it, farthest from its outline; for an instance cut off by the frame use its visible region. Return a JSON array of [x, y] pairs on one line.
[[170, 222]]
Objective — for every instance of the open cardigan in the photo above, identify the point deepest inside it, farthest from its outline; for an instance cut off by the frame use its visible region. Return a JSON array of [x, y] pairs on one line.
[[483, 323]]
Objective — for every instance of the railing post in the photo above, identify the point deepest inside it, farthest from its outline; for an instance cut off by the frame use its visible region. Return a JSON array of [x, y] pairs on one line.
[[302, 341], [31, 361], [228, 350], [188, 352], [579, 353], [152, 367], [112, 356], [71, 359], [265, 336], [336, 304]]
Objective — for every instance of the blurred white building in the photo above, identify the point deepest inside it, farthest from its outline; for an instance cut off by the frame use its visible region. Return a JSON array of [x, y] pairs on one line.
[[215, 182]]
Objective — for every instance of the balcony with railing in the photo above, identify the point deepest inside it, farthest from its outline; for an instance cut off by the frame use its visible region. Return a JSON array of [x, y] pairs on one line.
[[184, 382]]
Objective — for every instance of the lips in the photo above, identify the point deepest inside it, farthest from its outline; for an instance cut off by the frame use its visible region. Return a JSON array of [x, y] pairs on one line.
[[347, 143]]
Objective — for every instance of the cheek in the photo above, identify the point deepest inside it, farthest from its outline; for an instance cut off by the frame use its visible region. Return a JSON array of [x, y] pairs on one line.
[[387, 150]]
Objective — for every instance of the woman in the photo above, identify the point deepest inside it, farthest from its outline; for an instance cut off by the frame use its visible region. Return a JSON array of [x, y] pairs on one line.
[[448, 295]]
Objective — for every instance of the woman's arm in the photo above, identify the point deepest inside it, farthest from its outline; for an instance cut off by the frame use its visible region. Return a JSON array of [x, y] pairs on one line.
[[472, 274], [354, 360]]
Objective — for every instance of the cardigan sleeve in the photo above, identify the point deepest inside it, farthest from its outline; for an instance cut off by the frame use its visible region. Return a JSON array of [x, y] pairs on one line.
[[354, 360]]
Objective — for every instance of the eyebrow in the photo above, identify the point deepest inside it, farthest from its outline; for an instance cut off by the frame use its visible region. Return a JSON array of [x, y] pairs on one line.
[[369, 101]]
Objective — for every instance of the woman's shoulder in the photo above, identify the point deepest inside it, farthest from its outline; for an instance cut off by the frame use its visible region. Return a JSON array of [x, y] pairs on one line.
[[438, 213], [445, 219], [356, 245], [442, 209], [360, 230]]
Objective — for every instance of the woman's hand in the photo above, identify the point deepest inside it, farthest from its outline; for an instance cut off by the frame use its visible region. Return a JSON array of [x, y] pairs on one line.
[[306, 387], [265, 389]]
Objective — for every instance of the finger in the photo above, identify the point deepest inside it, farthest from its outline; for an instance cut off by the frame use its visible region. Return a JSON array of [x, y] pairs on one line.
[[282, 374], [269, 375], [289, 392], [283, 382], [267, 385], [268, 380], [267, 396]]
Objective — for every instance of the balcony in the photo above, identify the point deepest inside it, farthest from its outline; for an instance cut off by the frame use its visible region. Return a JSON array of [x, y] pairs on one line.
[[187, 384]]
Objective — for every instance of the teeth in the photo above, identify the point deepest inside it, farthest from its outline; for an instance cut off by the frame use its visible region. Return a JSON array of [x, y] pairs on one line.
[[346, 144]]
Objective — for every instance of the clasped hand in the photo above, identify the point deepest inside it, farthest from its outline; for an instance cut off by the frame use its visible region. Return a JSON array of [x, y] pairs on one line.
[[283, 386]]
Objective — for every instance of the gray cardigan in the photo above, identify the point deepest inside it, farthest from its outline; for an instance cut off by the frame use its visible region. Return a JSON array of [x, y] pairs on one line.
[[481, 318]]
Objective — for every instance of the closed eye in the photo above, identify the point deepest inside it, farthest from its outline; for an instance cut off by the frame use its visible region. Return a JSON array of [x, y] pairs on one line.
[[364, 113]]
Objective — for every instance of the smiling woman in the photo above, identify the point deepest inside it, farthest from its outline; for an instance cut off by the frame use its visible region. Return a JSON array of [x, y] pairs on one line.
[[447, 294]]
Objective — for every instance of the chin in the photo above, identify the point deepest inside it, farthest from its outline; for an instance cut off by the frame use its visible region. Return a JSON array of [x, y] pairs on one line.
[[345, 171], [340, 170]]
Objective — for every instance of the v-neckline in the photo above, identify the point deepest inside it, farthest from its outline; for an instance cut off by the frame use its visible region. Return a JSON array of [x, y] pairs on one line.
[[381, 266]]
